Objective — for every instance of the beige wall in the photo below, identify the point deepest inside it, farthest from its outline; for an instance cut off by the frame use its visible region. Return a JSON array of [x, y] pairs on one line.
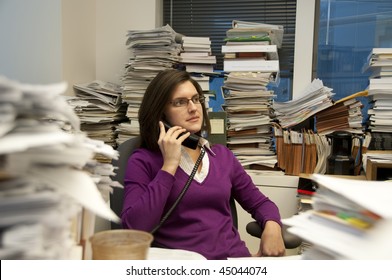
[[113, 20], [48, 41], [78, 41], [31, 44]]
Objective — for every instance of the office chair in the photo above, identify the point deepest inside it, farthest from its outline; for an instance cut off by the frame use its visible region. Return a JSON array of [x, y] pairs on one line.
[[126, 148]]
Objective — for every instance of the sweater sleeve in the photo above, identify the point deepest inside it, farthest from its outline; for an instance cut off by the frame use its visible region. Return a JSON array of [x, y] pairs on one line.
[[249, 196], [146, 189]]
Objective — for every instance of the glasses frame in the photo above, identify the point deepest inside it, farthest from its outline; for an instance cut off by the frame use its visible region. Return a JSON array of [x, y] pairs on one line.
[[200, 100]]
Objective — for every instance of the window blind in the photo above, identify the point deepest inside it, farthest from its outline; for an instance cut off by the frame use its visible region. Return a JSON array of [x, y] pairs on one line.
[[212, 18]]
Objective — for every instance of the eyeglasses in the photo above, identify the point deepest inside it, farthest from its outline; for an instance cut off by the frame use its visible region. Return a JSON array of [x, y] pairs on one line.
[[183, 102]]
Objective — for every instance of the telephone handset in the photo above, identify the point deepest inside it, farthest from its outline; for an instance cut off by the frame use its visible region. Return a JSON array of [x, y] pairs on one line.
[[191, 142]]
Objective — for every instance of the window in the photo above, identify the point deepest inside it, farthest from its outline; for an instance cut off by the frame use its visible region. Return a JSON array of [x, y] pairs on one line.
[[348, 30], [212, 18]]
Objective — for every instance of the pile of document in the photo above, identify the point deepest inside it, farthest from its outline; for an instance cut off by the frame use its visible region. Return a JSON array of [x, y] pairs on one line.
[[196, 55], [100, 109], [313, 99], [342, 115], [151, 51], [252, 46], [48, 173], [252, 63], [247, 102], [350, 219], [379, 64], [196, 58], [380, 112]]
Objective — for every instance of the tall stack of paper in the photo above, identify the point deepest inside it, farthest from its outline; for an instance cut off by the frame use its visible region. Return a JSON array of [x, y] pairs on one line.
[[248, 106], [100, 108], [47, 173], [251, 58], [151, 51], [197, 59], [380, 112], [350, 219], [380, 97], [313, 99]]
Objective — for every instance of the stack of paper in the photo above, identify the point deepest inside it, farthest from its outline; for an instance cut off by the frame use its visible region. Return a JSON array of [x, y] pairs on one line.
[[252, 47], [379, 123], [44, 181], [379, 63], [350, 219], [380, 111], [313, 99], [196, 55], [151, 51], [273, 32], [100, 108], [345, 115], [248, 105], [197, 59]]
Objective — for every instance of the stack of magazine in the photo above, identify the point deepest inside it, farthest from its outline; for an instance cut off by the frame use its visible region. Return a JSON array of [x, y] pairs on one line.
[[100, 108]]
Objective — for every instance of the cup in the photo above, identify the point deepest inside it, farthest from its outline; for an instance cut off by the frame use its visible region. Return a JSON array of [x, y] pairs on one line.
[[120, 244]]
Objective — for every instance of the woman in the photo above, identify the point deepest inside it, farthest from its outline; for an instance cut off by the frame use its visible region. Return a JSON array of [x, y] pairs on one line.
[[159, 169]]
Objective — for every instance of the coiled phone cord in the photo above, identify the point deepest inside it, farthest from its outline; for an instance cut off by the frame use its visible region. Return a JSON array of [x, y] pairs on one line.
[[185, 188]]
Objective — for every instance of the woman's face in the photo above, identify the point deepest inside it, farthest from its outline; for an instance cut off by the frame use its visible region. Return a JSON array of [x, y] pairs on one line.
[[182, 111]]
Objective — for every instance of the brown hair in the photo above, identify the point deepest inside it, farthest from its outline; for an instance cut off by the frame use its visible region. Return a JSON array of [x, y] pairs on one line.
[[157, 95]]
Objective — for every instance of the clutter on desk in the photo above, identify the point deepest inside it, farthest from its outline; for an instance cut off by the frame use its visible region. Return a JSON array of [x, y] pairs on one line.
[[48, 173], [349, 219]]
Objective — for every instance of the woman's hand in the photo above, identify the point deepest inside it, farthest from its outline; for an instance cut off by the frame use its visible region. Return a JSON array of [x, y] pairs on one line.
[[271, 241], [170, 145]]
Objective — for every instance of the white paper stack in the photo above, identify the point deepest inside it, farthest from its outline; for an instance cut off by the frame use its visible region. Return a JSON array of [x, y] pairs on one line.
[[313, 99], [45, 181], [100, 108], [248, 104], [151, 51], [350, 219]]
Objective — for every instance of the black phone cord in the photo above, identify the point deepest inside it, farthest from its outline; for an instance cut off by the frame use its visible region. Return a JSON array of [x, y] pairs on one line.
[[180, 196]]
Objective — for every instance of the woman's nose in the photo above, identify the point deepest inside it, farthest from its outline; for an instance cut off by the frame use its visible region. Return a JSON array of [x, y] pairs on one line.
[[191, 106]]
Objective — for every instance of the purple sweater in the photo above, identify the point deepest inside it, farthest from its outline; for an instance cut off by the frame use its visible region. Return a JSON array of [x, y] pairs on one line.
[[202, 221]]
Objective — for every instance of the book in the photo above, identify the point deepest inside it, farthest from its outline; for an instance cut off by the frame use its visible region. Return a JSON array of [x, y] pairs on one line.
[[248, 48], [245, 55], [194, 54], [275, 32], [199, 68], [250, 64], [211, 59], [239, 43], [196, 40]]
